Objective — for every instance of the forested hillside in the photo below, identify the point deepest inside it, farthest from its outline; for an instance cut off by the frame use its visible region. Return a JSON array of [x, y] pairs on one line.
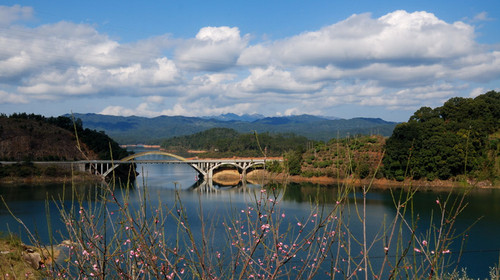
[[30, 137], [462, 137], [225, 142]]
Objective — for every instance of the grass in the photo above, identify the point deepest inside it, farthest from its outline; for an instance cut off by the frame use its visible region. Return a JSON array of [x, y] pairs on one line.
[[12, 264]]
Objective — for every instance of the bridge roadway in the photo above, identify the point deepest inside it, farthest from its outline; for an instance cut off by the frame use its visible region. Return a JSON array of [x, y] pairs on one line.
[[205, 167]]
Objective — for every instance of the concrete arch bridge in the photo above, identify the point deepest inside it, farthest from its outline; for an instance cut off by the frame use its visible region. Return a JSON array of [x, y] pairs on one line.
[[204, 167]]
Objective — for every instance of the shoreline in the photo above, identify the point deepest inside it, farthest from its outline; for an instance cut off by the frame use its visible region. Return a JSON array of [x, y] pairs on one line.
[[377, 183], [75, 178]]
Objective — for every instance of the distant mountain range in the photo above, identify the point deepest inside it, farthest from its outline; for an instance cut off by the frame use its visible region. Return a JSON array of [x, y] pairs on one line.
[[135, 130], [234, 117]]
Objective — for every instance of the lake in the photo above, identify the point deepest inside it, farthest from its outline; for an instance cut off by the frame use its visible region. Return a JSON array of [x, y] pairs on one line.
[[482, 241]]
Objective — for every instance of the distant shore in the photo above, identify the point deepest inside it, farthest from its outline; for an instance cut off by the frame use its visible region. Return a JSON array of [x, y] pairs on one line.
[[375, 183], [76, 178]]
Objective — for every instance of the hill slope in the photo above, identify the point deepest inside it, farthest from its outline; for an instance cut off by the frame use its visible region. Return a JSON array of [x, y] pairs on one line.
[[26, 137]]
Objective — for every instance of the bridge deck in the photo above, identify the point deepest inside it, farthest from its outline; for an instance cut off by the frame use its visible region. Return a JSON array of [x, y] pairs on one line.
[[191, 161]]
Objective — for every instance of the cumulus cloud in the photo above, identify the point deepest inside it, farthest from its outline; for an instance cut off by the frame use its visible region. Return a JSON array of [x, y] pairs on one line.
[[65, 58], [398, 36], [275, 80], [397, 61], [214, 48]]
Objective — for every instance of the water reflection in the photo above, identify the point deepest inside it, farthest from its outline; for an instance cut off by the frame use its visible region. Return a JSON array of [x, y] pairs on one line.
[[162, 183]]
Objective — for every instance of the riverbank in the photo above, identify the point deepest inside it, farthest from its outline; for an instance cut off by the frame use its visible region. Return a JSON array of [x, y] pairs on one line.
[[75, 178], [374, 183]]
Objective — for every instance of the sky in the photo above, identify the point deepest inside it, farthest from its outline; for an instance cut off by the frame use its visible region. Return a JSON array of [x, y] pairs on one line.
[[362, 58]]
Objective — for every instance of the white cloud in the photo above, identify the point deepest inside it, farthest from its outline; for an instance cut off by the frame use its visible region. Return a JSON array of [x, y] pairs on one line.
[[213, 49], [397, 61], [6, 98], [14, 13], [141, 110], [476, 91], [480, 67], [275, 80], [155, 99], [398, 36], [256, 55], [482, 16]]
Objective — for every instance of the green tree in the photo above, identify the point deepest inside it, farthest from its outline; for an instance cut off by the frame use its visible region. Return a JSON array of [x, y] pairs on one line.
[[293, 161]]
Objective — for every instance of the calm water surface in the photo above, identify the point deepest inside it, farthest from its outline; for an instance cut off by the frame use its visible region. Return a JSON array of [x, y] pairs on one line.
[[28, 202]]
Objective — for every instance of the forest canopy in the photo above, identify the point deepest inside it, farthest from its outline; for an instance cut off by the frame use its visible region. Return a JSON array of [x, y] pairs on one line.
[[459, 138], [222, 142]]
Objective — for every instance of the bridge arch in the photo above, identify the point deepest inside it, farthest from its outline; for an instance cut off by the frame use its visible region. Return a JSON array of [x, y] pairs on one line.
[[205, 168], [243, 166], [131, 157], [134, 156]]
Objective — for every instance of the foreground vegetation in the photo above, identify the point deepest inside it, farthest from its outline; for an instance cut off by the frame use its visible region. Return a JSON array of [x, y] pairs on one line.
[[108, 236]]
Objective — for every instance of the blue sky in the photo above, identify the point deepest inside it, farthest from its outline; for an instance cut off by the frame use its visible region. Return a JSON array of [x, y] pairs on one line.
[[197, 58]]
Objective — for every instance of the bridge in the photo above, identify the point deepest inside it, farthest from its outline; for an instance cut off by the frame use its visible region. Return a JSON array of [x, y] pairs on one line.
[[204, 167]]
